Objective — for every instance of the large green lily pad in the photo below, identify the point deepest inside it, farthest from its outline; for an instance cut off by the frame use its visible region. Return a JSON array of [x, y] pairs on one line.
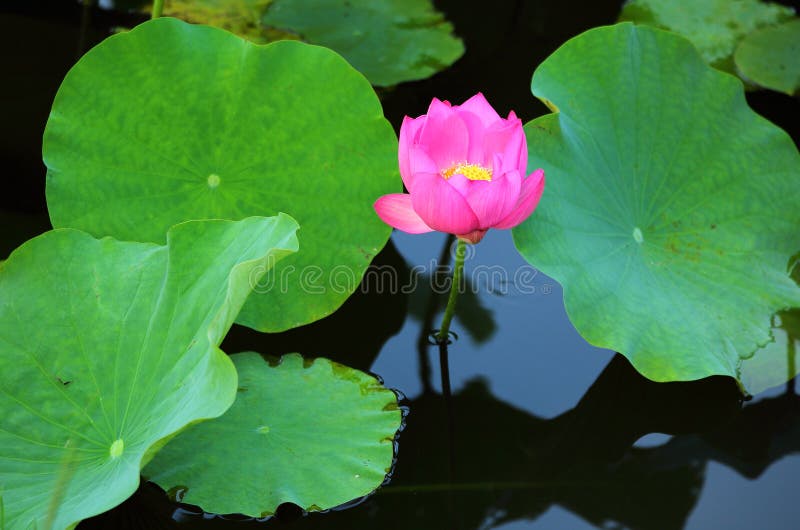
[[108, 348], [670, 215], [173, 121], [314, 433], [390, 41], [715, 27], [770, 57]]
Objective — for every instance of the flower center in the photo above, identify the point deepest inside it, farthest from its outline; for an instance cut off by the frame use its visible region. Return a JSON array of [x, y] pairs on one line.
[[471, 171]]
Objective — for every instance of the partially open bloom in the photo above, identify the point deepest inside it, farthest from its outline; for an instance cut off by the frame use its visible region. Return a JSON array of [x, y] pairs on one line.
[[464, 169]]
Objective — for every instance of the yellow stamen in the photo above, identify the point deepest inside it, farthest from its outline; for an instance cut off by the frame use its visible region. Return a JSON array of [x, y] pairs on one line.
[[471, 171]]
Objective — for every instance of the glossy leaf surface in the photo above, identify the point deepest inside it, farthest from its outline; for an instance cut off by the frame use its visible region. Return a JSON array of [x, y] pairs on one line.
[[671, 213], [314, 433], [389, 41], [171, 122], [715, 27], [770, 57], [108, 348]]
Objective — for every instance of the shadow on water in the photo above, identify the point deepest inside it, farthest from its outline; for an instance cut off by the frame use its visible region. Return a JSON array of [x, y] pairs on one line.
[[354, 334], [512, 465]]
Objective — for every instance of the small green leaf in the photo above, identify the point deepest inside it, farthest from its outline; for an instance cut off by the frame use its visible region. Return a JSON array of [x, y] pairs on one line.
[[171, 122], [388, 41], [777, 362], [715, 27], [242, 17], [314, 433], [108, 348], [771, 57], [670, 213]]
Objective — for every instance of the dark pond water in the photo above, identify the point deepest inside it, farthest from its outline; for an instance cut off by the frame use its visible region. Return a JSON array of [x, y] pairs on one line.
[[548, 431]]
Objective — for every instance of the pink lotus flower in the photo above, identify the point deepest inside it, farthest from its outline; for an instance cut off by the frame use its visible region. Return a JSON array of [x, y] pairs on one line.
[[464, 169]]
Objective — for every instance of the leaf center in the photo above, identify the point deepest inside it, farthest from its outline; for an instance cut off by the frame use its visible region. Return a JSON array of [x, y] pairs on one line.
[[637, 235], [116, 448]]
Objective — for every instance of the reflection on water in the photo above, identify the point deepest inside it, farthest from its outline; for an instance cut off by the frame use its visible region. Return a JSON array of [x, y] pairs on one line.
[[511, 465], [515, 469]]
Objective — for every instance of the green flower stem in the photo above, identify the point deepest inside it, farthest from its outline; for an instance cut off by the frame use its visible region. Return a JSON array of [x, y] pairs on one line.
[[443, 338], [791, 350], [458, 269], [158, 7], [432, 308]]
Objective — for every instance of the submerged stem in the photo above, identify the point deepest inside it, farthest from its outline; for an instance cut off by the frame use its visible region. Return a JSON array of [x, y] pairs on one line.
[[434, 304], [158, 8], [458, 269]]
